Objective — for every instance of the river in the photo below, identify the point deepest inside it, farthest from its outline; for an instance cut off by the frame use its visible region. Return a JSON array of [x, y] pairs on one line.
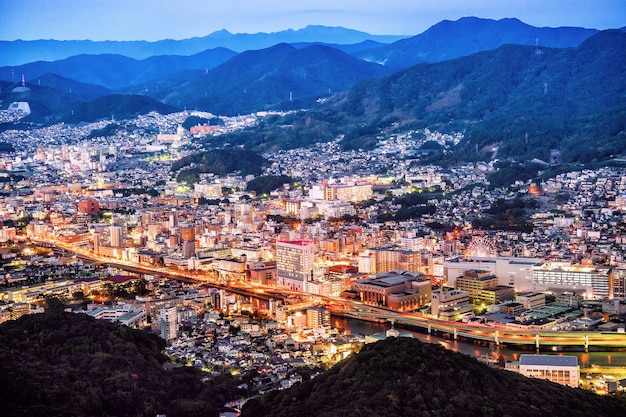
[[585, 359]]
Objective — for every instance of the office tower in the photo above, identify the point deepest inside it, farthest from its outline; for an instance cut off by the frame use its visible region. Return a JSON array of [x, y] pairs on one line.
[[168, 319], [294, 263], [117, 236]]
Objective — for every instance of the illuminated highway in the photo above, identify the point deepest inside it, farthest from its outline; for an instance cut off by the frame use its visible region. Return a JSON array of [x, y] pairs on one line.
[[499, 336], [355, 309]]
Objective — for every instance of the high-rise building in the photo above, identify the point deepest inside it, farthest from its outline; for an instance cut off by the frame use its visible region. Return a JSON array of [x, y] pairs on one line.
[[618, 283], [168, 316], [317, 317], [117, 236], [187, 231], [189, 249], [173, 220], [294, 263]]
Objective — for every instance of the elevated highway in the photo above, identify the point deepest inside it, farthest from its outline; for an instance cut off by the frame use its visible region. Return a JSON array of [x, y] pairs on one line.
[[503, 336], [498, 335]]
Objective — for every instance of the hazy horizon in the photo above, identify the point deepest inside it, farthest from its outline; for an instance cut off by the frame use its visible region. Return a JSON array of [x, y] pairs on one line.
[[154, 20]]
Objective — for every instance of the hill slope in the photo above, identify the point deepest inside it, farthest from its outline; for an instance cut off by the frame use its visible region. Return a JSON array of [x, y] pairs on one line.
[[405, 377], [258, 80], [118, 106], [65, 364], [448, 40], [525, 100], [47, 103], [117, 71]]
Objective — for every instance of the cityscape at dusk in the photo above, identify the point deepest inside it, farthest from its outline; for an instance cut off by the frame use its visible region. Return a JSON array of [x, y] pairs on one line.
[[322, 221]]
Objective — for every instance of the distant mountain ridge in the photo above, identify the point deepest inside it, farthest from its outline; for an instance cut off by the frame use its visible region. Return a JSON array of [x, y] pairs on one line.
[[524, 100], [453, 39], [19, 52], [117, 71], [264, 79]]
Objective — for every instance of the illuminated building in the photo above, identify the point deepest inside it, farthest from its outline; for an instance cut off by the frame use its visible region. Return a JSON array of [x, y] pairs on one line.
[[511, 271], [231, 269], [317, 317], [294, 263], [618, 283], [262, 272], [563, 370], [354, 192], [531, 300], [482, 286], [367, 264], [451, 305], [117, 236], [213, 190], [403, 291], [123, 314], [391, 258], [168, 319], [594, 282]]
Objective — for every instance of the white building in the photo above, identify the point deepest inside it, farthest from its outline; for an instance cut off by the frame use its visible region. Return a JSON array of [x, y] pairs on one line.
[[123, 314], [594, 282], [563, 370], [511, 271], [367, 264], [168, 318], [451, 305], [294, 263]]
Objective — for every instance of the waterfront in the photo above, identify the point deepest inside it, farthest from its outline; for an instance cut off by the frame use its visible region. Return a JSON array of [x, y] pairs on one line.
[[586, 360]]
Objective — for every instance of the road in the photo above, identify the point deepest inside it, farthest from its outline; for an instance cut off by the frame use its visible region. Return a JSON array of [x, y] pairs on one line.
[[499, 336]]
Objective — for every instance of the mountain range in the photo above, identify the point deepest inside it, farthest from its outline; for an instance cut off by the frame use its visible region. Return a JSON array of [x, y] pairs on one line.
[[448, 40], [523, 99], [271, 78], [15, 53], [119, 68], [118, 71]]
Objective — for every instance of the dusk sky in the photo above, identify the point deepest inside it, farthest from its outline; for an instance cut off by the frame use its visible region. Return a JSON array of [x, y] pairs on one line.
[[166, 19]]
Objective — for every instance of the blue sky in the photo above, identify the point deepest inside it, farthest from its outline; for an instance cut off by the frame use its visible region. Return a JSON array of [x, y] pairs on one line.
[[168, 19]]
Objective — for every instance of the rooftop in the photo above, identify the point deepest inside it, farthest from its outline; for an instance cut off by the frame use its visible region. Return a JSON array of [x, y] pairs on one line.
[[548, 360]]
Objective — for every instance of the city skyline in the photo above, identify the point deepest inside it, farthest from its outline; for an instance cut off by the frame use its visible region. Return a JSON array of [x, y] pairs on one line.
[[157, 20]]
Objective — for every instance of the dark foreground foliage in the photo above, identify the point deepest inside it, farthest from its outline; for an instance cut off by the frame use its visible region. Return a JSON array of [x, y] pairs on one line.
[[66, 364], [404, 377]]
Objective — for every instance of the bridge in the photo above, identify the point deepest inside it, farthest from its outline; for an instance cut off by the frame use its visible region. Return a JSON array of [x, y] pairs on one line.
[[500, 335]]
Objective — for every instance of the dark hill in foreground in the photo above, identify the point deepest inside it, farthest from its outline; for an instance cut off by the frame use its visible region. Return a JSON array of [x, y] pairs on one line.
[[65, 364], [405, 377]]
